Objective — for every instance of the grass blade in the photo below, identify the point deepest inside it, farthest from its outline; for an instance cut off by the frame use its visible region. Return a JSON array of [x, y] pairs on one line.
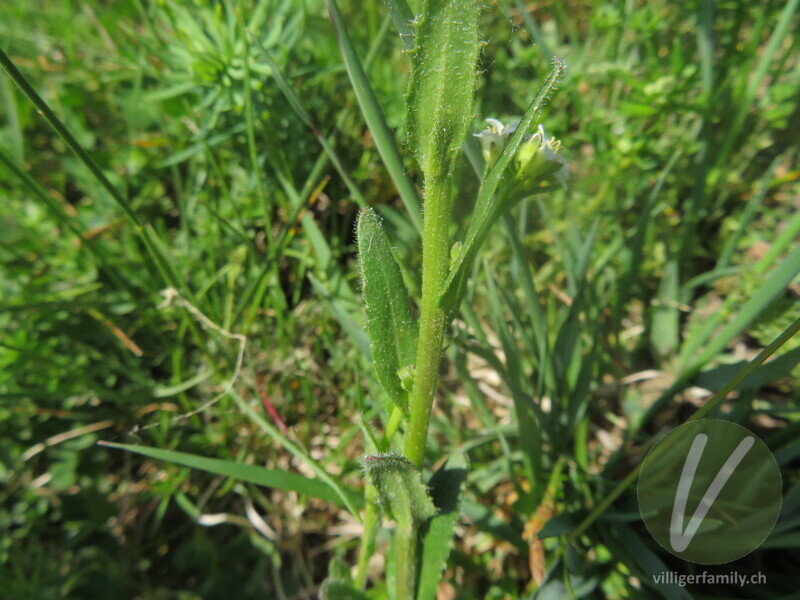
[[352, 501], [64, 133], [402, 17], [783, 28], [297, 105], [159, 259], [345, 319], [250, 119], [771, 287], [272, 478], [60, 214], [720, 395], [384, 139]]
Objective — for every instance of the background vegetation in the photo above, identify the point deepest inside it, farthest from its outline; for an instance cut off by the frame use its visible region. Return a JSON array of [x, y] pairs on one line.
[[606, 314]]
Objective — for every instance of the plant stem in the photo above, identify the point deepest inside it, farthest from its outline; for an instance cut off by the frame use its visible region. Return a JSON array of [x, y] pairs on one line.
[[367, 546], [405, 561], [391, 428], [435, 265]]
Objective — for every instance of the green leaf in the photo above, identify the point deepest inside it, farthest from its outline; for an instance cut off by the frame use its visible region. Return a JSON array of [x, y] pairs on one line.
[[338, 590], [665, 330], [390, 323], [373, 115], [645, 563], [352, 500], [782, 366], [560, 524], [272, 478], [447, 484], [345, 319], [487, 208], [773, 285], [404, 498], [159, 258], [441, 89], [769, 287], [400, 488], [788, 540], [447, 487], [402, 17]]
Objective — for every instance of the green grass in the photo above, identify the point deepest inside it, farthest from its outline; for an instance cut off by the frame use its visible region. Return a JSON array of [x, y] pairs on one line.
[[226, 153]]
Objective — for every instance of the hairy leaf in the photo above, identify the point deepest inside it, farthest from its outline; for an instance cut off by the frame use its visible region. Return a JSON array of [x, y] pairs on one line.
[[441, 89], [338, 590], [400, 488], [390, 323]]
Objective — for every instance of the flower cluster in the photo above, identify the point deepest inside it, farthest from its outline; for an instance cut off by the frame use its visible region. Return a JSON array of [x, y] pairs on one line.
[[537, 157]]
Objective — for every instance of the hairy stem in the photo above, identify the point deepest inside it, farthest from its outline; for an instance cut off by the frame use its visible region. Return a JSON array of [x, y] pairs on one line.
[[405, 567], [435, 265]]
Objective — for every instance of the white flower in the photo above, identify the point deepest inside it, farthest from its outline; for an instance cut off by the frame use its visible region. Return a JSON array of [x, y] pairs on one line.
[[492, 140], [538, 156]]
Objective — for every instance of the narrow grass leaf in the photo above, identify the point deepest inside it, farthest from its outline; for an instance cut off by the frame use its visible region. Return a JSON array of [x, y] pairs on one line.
[[402, 17], [635, 242], [158, 257], [353, 330], [710, 404], [787, 540], [538, 330], [272, 478], [297, 105], [16, 137], [250, 118], [528, 420], [57, 210], [775, 370], [646, 561], [768, 291], [787, 238], [373, 115], [783, 29], [533, 29], [665, 330], [749, 213], [352, 500], [558, 525], [567, 348]]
